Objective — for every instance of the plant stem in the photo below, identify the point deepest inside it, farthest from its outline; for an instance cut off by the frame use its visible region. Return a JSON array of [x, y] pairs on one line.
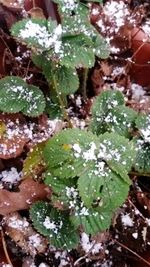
[[84, 84]]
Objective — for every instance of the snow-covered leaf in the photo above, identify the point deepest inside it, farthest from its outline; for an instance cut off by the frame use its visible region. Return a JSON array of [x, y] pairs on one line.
[[118, 150], [66, 79], [77, 52], [109, 114], [92, 223], [38, 33], [16, 95], [87, 172], [106, 190], [55, 225]]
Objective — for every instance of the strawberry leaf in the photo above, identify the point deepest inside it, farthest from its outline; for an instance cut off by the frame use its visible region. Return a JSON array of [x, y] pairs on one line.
[[16, 95]]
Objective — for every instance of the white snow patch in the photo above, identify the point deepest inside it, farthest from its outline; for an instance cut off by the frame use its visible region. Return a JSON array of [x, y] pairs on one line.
[[127, 220], [11, 176], [135, 235], [90, 246]]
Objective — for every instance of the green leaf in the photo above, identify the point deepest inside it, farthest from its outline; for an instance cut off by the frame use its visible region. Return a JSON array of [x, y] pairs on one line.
[[66, 78], [118, 150], [143, 124], [101, 47], [92, 223], [72, 9], [60, 156], [110, 114], [94, 160], [142, 161], [53, 110], [16, 95], [55, 225], [36, 33], [76, 52], [119, 119], [107, 100], [106, 190], [60, 188]]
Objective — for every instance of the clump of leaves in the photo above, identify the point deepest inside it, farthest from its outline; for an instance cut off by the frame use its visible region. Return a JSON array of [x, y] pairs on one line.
[[16, 95], [60, 49], [89, 179], [109, 114]]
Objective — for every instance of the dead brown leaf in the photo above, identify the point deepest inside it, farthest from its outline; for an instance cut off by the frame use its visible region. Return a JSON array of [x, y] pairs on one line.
[[11, 148], [22, 233], [13, 4], [29, 192]]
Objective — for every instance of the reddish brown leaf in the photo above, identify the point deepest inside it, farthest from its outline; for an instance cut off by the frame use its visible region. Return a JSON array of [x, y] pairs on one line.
[[30, 192], [11, 148], [140, 68]]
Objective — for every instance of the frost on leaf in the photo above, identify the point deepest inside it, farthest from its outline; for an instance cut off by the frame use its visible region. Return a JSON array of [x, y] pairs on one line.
[[39, 33], [16, 95], [70, 47], [88, 175], [109, 114], [54, 224]]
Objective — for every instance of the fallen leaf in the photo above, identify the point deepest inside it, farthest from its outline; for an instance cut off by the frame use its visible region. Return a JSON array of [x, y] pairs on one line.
[[11, 148], [29, 192], [23, 234], [14, 4]]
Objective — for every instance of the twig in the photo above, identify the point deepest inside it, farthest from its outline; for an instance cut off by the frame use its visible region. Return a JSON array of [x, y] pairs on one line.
[[132, 204], [5, 248], [133, 252]]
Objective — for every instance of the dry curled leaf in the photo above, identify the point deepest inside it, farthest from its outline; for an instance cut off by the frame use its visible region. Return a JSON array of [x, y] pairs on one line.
[[34, 164], [22, 233], [29, 192]]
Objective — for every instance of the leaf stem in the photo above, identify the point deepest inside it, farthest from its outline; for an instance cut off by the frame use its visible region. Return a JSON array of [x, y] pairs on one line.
[[84, 83]]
